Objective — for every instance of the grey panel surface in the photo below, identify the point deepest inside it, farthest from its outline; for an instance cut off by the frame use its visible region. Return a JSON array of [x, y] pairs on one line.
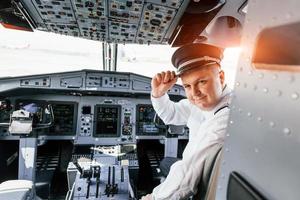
[[37, 82], [85, 81], [225, 29], [263, 142], [27, 159], [71, 82], [141, 85], [121, 179]]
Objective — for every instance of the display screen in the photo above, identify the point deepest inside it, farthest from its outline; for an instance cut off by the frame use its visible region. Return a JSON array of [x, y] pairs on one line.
[[4, 116], [64, 119], [5, 112], [107, 120], [65, 116], [145, 120], [86, 110]]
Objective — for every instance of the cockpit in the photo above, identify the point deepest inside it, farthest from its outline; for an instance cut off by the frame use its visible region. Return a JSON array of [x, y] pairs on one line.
[[93, 133], [102, 116], [78, 122]]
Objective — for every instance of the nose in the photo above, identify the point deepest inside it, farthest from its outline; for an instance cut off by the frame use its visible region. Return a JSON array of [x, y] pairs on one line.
[[195, 91]]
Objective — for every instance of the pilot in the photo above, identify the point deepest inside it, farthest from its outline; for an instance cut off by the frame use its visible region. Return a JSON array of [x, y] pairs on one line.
[[205, 112]]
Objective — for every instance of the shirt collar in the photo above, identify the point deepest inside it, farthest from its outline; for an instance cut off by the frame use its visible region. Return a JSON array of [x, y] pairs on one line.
[[225, 100]]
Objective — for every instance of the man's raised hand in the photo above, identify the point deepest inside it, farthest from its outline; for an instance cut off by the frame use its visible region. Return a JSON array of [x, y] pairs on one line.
[[162, 82]]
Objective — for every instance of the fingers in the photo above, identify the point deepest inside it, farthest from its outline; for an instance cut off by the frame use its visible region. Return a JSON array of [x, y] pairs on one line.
[[147, 197], [162, 82], [174, 80], [170, 78], [158, 77], [173, 75], [165, 77]]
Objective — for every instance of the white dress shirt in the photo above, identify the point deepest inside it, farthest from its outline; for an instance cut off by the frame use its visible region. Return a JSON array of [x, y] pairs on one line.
[[206, 128]]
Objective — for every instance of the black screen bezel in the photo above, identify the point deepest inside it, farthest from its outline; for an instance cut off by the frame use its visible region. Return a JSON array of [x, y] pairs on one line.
[[95, 134]]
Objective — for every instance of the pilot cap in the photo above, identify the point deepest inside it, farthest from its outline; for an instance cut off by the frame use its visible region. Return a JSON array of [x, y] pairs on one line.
[[196, 55]]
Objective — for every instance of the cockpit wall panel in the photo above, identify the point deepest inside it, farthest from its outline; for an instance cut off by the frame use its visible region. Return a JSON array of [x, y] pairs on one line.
[[262, 141]]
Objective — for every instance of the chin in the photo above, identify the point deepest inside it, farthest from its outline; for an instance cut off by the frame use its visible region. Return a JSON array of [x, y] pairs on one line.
[[203, 106]]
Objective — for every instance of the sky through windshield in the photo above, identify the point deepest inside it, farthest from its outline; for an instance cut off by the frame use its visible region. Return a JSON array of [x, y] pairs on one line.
[[27, 53]]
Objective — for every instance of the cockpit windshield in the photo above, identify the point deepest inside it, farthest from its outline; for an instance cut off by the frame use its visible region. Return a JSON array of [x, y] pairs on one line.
[[27, 53]]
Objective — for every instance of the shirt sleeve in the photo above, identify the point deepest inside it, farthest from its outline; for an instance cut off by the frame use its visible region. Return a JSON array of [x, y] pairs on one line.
[[184, 175], [171, 112]]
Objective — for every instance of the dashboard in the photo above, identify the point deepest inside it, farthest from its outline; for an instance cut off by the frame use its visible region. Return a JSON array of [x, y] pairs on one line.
[[89, 107]]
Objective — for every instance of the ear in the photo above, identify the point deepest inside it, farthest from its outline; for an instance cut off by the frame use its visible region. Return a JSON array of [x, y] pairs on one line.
[[222, 77]]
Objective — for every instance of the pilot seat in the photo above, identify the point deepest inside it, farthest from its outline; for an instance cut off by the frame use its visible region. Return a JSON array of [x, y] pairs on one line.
[[209, 176]]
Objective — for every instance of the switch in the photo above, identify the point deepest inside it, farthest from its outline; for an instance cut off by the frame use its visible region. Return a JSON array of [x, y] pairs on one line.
[[150, 7], [89, 4], [155, 22], [129, 4], [122, 174]]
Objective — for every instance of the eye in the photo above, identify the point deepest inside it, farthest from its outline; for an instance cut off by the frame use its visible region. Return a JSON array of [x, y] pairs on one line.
[[202, 82], [186, 86]]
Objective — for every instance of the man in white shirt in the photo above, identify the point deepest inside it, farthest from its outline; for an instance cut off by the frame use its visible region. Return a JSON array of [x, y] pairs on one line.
[[205, 112]]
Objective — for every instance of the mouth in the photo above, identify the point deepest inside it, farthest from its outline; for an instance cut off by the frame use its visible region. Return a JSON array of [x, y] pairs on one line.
[[198, 99]]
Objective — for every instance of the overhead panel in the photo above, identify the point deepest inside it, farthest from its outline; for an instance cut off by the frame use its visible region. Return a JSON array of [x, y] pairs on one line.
[[55, 11], [168, 3], [91, 19], [122, 32], [118, 21], [154, 23], [57, 16]]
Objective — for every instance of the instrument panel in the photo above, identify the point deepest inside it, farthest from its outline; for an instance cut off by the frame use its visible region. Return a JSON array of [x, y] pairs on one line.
[[65, 115], [100, 120], [107, 120], [118, 21], [145, 120], [83, 113], [64, 118], [115, 120]]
